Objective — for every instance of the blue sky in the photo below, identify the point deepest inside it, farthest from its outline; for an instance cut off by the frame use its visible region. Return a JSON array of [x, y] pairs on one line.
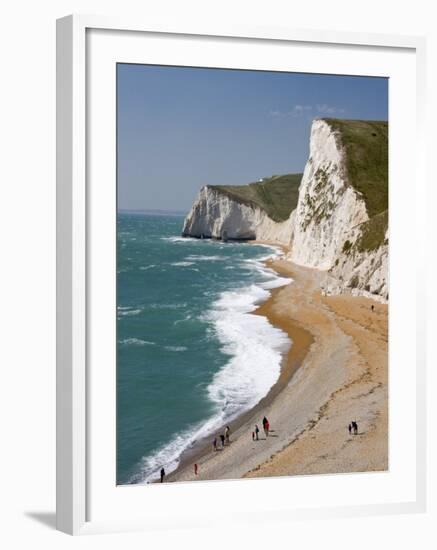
[[181, 128]]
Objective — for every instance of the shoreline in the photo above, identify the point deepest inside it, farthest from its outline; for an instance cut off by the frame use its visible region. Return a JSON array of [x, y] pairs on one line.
[[301, 340], [339, 374], [324, 446]]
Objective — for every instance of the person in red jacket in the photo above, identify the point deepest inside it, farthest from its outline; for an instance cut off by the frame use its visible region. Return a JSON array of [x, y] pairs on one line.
[[266, 428]]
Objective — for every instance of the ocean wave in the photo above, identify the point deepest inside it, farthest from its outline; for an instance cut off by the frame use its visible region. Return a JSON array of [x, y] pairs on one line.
[[169, 454], [146, 267], [182, 264], [256, 349], [168, 306], [272, 279], [239, 300], [186, 318], [175, 348], [205, 258], [179, 239], [277, 251], [128, 311], [136, 342], [276, 283]]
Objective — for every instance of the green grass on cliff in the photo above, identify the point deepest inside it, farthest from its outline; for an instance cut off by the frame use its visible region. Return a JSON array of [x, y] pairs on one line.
[[373, 233], [366, 146], [276, 195]]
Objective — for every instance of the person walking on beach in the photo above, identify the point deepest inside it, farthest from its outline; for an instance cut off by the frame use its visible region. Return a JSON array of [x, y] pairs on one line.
[[264, 421], [227, 434], [214, 444], [266, 428], [222, 439], [355, 427], [256, 432], [162, 474], [350, 429], [373, 307], [196, 468]]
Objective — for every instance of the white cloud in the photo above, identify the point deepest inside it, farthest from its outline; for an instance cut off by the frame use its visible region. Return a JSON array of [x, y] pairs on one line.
[[328, 109], [301, 110]]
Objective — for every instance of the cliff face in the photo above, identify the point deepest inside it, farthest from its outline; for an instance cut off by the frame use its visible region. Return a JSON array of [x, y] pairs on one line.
[[361, 273], [328, 207], [258, 210], [216, 215], [337, 225], [332, 223]]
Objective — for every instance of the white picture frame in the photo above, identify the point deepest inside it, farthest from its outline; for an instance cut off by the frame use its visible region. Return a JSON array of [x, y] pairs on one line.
[[74, 339]]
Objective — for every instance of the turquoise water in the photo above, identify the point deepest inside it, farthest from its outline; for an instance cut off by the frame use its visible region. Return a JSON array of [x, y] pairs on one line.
[[190, 356]]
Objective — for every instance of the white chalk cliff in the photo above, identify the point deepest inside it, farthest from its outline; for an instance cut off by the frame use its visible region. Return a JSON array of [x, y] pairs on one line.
[[216, 215], [325, 231], [329, 221]]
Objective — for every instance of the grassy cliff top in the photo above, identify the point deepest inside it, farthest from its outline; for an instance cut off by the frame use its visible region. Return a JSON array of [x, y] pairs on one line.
[[373, 233], [276, 195], [366, 146]]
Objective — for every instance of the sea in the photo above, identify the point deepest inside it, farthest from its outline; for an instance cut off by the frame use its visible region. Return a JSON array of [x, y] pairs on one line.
[[190, 355]]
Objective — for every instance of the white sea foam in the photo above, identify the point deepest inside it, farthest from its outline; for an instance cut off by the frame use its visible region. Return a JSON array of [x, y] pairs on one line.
[[186, 318], [169, 454], [277, 251], [176, 239], [175, 348], [205, 258], [241, 300], [179, 239], [180, 305], [255, 348], [272, 279], [276, 283], [147, 267], [124, 311], [136, 342], [182, 264]]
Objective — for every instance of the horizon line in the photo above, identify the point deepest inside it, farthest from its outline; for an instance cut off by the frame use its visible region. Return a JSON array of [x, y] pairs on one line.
[[153, 210]]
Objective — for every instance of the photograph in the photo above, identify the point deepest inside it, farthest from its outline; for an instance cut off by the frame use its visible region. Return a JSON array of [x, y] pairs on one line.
[[252, 274]]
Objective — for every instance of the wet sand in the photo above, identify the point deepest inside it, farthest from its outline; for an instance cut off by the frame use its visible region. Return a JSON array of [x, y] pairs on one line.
[[335, 372]]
